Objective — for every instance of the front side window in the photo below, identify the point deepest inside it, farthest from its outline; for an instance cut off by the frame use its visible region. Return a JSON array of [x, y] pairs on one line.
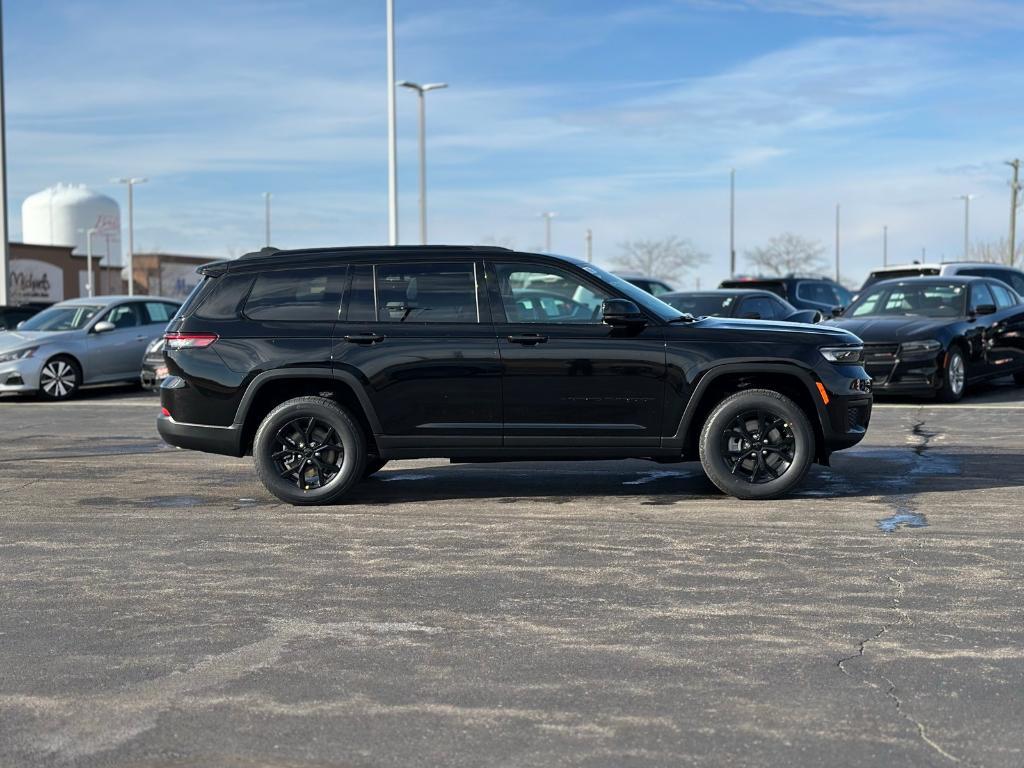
[[1004, 299], [310, 295], [981, 296], [539, 294], [706, 305], [124, 316], [426, 293], [757, 307], [159, 312]]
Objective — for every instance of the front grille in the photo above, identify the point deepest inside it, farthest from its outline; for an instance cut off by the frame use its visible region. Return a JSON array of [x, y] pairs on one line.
[[880, 354]]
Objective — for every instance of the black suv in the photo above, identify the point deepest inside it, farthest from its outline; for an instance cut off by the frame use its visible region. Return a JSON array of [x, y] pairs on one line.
[[327, 363], [817, 293]]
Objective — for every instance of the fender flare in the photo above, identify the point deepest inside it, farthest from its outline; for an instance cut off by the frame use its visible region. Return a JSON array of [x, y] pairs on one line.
[[347, 377], [795, 370]]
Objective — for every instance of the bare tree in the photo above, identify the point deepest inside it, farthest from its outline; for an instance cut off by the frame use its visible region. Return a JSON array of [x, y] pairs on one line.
[[996, 252], [668, 259], [788, 253]]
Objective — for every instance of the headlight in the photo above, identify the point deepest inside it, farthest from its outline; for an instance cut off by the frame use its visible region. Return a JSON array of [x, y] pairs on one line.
[[923, 348], [845, 355], [18, 354]]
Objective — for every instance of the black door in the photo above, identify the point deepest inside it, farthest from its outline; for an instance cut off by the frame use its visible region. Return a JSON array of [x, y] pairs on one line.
[[978, 335], [1005, 345], [418, 335], [568, 379]]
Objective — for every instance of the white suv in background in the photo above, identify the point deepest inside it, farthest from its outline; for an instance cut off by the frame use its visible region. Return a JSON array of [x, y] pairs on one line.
[[1012, 277]]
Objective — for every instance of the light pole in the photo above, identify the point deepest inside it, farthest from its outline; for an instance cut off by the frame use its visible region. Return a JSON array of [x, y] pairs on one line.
[[837, 242], [547, 216], [885, 246], [89, 282], [266, 216], [967, 221], [392, 130], [5, 256], [131, 181], [1014, 191], [732, 223], [590, 246], [422, 91]]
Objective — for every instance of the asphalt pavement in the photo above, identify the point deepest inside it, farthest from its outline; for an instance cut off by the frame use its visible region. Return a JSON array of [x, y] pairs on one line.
[[159, 608]]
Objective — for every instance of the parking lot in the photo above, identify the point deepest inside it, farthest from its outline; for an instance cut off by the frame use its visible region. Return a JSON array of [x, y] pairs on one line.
[[157, 607]]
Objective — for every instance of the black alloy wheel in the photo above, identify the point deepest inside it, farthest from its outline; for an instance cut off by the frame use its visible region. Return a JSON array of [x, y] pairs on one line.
[[309, 450], [757, 444]]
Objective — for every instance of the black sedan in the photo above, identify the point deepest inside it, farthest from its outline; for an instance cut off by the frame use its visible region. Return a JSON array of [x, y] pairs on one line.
[[934, 335], [750, 304]]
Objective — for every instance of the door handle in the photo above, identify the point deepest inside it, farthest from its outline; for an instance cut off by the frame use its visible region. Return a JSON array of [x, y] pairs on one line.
[[140, 338], [528, 338], [363, 338]]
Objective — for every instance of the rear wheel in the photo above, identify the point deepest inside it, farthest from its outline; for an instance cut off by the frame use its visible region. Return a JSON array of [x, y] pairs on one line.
[[309, 450], [60, 378], [757, 444], [954, 377]]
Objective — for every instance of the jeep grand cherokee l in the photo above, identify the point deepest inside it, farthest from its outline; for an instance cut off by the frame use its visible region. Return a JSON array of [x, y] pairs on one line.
[[327, 363]]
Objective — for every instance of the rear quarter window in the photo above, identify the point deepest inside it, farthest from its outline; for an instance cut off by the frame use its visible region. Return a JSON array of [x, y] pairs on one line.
[[223, 298], [296, 295]]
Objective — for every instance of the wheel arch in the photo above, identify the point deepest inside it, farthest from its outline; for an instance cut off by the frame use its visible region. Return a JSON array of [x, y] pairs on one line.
[[271, 388], [716, 384]]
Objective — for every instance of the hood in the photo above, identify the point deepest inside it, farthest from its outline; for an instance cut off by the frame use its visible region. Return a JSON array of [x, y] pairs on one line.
[[17, 339], [892, 328], [828, 334]]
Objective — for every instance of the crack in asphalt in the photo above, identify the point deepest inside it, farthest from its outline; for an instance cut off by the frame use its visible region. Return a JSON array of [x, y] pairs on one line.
[[903, 504]]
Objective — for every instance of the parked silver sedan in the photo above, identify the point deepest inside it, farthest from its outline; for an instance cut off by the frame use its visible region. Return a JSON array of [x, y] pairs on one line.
[[80, 342]]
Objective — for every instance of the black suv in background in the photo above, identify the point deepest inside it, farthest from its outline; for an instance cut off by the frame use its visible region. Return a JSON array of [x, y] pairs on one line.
[[817, 293], [327, 363]]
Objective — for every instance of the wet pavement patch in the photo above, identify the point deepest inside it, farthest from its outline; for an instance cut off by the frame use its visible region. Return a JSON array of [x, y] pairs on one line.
[[902, 520]]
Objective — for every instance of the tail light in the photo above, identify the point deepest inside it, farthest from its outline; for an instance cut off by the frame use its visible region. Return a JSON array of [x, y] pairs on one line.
[[189, 340]]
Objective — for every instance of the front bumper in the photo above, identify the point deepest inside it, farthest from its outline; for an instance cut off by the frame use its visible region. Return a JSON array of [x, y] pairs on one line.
[[845, 417], [20, 375], [153, 372], [920, 376]]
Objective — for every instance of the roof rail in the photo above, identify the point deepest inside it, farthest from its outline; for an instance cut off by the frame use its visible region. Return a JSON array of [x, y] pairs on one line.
[[268, 251], [265, 252]]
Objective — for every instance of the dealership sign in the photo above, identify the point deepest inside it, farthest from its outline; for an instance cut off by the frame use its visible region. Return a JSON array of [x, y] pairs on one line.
[[34, 280]]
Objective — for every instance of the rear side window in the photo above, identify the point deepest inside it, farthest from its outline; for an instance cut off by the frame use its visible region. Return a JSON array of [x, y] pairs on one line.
[[819, 293], [308, 295], [224, 297], [158, 312], [1011, 277], [426, 293]]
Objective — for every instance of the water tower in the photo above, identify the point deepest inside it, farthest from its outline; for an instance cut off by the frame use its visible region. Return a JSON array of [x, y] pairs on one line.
[[61, 215]]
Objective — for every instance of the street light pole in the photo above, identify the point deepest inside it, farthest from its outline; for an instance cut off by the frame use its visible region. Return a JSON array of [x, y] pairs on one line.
[[266, 216], [88, 260], [837, 242], [392, 130], [1014, 191], [967, 222], [547, 216], [5, 255], [422, 91], [885, 246], [732, 223], [590, 246], [131, 182]]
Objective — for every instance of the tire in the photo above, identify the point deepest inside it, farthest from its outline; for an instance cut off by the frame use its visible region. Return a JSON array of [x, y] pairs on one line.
[[374, 464], [292, 454], [738, 425], [953, 383], [60, 378]]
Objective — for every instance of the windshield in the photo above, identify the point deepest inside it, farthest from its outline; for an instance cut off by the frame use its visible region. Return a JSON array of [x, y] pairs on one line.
[[634, 294], [702, 305], [67, 318], [903, 299]]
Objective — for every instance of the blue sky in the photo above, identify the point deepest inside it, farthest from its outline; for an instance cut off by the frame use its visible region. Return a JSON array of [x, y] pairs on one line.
[[624, 117]]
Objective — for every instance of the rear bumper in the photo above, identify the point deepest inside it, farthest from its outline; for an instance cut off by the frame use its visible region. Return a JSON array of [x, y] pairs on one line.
[[200, 437]]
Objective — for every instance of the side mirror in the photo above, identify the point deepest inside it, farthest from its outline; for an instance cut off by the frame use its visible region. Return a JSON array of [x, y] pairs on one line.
[[621, 312], [805, 316], [985, 309], [103, 326], [20, 324], [837, 311]]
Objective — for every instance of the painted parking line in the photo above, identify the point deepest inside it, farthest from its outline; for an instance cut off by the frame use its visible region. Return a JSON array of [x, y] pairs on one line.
[[960, 407]]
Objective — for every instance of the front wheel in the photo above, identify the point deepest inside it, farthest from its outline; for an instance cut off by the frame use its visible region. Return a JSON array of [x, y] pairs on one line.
[[954, 377], [60, 378], [309, 450], [757, 444]]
